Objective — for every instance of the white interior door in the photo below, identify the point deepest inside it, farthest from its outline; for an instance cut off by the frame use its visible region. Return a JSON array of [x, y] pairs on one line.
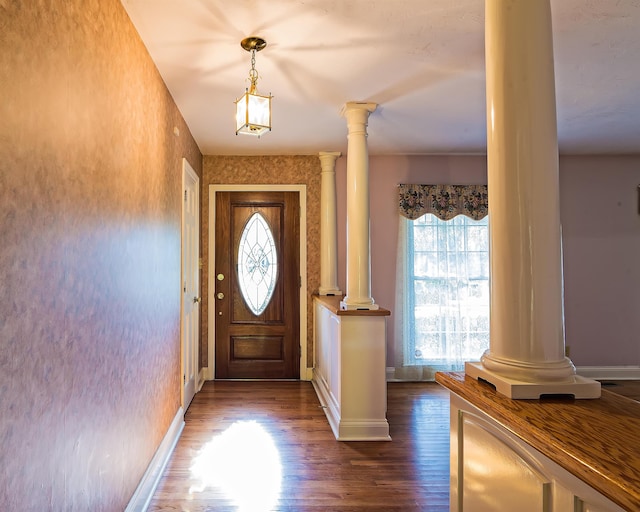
[[190, 282]]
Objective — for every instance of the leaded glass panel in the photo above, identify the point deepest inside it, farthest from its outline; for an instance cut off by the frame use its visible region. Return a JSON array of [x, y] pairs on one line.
[[257, 264]]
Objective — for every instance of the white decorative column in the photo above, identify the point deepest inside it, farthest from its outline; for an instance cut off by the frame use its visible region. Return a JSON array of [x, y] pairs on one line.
[[526, 356], [349, 371], [328, 225], [358, 293]]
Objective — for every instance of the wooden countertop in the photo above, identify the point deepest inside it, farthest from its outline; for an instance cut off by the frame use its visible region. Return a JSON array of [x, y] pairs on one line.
[[332, 302], [596, 440]]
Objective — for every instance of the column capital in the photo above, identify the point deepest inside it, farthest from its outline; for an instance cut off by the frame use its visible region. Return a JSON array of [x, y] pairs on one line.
[[356, 111], [328, 158]]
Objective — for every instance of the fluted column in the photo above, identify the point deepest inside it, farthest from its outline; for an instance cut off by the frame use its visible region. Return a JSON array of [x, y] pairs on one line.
[[358, 293], [527, 318], [328, 225]]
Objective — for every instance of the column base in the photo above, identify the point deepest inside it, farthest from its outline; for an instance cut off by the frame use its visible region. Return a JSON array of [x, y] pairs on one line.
[[576, 386], [346, 306], [329, 291]]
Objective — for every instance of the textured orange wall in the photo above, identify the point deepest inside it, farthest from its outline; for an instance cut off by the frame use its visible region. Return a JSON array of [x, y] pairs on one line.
[[254, 170], [90, 205]]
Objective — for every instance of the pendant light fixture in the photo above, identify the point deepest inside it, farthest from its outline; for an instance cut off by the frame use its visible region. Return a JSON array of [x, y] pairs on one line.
[[253, 111]]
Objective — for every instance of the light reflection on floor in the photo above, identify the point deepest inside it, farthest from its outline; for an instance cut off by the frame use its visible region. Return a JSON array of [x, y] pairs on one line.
[[244, 462]]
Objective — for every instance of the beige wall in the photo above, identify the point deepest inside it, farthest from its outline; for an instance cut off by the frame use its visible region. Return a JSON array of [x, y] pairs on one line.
[[601, 243], [256, 171], [90, 205], [599, 207]]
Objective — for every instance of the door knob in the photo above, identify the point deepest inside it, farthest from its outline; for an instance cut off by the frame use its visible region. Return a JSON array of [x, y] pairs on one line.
[[196, 300], [220, 277], [220, 296]]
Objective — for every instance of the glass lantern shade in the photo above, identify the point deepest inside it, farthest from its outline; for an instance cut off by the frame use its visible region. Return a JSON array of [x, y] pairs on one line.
[[253, 114]]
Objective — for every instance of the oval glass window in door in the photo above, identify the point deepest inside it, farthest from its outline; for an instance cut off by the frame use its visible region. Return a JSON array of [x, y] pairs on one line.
[[257, 264]]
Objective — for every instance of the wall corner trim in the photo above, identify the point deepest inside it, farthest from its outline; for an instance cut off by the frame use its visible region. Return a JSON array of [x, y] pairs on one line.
[[206, 373], [308, 375], [203, 375], [609, 372], [147, 486], [589, 372]]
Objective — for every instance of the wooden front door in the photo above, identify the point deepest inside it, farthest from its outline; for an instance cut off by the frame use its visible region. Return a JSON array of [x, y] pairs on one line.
[[257, 285]]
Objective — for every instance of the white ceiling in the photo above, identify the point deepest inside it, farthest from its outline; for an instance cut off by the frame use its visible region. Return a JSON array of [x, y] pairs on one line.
[[421, 61]]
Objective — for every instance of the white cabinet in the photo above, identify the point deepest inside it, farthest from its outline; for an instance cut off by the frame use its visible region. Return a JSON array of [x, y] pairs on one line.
[[492, 470]]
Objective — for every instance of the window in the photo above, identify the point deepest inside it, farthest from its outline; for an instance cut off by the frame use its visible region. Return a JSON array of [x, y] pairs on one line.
[[257, 264], [446, 291]]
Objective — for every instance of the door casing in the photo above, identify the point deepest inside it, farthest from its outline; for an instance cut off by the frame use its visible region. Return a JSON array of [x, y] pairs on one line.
[[305, 374]]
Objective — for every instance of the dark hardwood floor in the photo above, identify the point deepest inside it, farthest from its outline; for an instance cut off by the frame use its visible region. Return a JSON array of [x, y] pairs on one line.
[[628, 388], [268, 447], [269, 444]]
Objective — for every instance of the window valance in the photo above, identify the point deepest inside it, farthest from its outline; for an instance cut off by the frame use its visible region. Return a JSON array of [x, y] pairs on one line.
[[443, 201]]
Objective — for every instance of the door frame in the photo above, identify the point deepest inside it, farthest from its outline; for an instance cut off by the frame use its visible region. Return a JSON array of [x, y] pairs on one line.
[[305, 374], [187, 170]]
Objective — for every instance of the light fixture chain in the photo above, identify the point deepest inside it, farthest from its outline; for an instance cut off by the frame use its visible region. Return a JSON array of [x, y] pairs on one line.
[[253, 73]]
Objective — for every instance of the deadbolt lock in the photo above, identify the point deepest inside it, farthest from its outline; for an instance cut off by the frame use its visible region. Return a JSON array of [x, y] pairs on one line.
[[220, 277], [220, 296]]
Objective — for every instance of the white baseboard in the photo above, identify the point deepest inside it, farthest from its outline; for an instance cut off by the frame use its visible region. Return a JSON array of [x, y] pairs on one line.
[[347, 430], [206, 374], [147, 486], [609, 372], [327, 401], [369, 430], [589, 372]]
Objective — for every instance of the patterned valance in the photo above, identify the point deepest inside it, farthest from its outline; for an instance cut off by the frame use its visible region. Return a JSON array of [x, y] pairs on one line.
[[443, 201]]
